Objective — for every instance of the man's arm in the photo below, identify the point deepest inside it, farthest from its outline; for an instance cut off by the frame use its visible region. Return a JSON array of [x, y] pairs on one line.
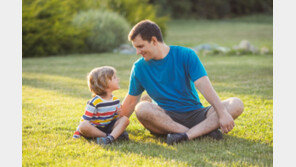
[[128, 104], [204, 85]]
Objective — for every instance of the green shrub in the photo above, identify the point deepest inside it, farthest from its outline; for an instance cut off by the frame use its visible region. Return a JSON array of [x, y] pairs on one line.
[[47, 27], [105, 30], [137, 10], [242, 7], [206, 9], [212, 9]]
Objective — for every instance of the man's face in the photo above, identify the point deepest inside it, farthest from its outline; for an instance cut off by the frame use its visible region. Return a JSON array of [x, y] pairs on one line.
[[144, 48]]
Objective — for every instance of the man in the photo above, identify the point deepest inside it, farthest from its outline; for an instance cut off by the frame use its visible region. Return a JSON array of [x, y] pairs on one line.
[[170, 74]]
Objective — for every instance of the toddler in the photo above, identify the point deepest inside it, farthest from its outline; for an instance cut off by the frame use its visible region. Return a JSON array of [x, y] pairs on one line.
[[101, 120]]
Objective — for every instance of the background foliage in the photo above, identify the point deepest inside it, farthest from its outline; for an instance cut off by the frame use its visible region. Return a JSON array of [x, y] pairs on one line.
[[105, 30], [136, 10], [48, 29], [212, 9]]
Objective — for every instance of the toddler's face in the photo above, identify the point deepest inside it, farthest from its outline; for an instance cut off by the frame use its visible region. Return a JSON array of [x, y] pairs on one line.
[[114, 83]]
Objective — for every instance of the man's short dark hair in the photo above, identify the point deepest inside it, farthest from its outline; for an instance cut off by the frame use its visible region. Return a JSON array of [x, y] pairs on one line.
[[147, 29]]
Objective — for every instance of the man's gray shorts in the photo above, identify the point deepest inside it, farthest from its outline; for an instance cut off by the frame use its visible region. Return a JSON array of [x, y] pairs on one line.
[[191, 118]]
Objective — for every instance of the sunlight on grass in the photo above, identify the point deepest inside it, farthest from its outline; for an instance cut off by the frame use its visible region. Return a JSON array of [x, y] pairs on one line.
[[55, 92], [226, 32], [53, 105]]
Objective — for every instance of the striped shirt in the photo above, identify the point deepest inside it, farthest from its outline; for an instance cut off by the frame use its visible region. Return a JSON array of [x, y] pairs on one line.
[[99, 112]]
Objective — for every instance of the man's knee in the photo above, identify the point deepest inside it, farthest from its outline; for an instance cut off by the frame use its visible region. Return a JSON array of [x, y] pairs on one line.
[[142, 108], [238, 105]]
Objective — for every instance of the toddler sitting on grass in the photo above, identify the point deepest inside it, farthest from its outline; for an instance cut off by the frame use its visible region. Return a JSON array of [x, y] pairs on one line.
[[101, 120]]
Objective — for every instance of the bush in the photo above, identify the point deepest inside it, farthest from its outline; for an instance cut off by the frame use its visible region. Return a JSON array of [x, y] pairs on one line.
[[48, 29], [241, 7], [212, 9], [194, 8], [105, 30], [137, 10]]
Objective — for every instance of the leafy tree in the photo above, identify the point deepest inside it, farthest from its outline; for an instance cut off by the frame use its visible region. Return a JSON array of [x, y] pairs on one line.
[[48, 29]]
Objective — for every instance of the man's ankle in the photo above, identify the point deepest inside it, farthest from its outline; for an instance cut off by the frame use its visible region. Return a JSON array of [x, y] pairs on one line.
[[186, 136]]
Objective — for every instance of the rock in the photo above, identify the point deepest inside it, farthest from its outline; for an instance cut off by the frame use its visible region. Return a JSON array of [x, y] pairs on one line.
[[245, 45], [125, 49], [125, 46], [264, 50], [204, 47], [211, 49], [253, 49], [222, 49]]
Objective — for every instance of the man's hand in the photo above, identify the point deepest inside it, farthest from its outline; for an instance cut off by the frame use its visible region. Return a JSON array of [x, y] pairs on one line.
[[204, 85], [118, 110], [226, 122]]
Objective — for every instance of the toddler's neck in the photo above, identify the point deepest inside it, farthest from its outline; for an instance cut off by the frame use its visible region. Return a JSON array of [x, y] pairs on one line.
[[108, 96]]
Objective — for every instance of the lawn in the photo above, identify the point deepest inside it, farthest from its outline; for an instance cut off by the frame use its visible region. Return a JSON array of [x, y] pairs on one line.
[[54, 94], [256, 29]]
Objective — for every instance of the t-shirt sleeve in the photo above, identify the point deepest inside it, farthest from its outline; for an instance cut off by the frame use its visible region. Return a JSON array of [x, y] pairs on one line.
[[89, 111], [195, 68], [135, 87]]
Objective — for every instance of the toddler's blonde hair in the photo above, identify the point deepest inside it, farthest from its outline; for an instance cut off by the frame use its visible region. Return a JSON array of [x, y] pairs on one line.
[[98, 79]]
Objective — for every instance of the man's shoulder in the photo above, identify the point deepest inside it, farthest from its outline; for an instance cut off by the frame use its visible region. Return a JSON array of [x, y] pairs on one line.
[[182, 50], [176, 47], [139, 62]]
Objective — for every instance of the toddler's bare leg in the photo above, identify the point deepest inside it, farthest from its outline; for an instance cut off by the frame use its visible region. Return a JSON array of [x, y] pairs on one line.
[[88, 130], [119, 126]]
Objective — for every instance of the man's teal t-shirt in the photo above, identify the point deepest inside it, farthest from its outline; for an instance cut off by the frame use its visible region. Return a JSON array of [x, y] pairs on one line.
[[169, 81]]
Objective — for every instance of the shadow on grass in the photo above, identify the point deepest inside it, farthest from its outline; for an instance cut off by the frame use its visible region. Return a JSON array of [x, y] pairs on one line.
[[203, 151]]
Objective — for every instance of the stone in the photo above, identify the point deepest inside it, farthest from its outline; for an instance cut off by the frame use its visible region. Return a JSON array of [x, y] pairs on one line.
[[264, 50], [125, 49], [203, 47], [223, 49], [246, 46]]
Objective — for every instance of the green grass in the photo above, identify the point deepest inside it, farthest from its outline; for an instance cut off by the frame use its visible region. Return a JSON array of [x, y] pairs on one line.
[[54, 94], [258, 29]]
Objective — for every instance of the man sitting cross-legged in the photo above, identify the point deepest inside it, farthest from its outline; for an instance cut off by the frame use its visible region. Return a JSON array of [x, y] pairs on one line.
[[170, 75]]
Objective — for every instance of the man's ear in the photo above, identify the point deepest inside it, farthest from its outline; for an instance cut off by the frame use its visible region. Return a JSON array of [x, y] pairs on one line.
[[154, 40]]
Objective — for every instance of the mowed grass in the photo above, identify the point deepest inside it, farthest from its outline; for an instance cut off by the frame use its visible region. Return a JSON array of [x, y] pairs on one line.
[[257, 29], [55, 92]]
